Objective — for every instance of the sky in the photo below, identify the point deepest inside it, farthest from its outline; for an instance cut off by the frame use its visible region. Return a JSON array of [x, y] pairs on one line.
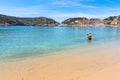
[[60, 10]]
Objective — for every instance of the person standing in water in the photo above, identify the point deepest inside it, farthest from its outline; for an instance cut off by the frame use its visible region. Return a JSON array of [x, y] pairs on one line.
[[89, 36]]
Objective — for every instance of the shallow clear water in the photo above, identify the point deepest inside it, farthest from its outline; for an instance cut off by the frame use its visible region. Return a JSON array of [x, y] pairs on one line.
[[21, 41]]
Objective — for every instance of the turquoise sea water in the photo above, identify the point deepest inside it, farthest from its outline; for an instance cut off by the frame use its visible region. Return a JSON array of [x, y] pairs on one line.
[[24, 41]]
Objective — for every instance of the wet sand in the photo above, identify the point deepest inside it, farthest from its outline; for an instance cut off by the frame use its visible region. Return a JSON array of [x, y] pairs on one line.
[[94, 63]]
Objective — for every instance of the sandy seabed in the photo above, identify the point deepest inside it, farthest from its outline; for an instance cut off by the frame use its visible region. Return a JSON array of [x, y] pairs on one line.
[[94, 63]]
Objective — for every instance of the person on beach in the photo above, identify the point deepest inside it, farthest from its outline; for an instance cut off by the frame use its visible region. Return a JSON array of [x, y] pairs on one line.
[[89, 36]]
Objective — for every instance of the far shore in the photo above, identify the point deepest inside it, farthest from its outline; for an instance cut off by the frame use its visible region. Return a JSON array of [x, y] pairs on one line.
[[113, 26], [100, 62]]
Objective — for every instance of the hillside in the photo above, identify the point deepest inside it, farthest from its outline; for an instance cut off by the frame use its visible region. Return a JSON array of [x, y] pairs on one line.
[[76, 21], [43, 21], [112, 20], [37, 21], [82, 21]]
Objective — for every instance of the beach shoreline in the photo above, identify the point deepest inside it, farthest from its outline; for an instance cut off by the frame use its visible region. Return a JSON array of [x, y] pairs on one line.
[[74, 64]]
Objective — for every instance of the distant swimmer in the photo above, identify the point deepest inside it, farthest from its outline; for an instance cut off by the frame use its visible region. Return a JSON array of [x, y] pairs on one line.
[[89, 36]]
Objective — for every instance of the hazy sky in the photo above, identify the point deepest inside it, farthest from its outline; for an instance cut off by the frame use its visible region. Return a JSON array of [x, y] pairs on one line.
[[60, 9]]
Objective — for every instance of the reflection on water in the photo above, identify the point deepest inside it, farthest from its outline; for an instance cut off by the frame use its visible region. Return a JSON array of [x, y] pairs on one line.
[[89, 41]]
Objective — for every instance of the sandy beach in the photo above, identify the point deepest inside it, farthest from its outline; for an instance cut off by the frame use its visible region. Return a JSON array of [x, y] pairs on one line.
[[94, 63]]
